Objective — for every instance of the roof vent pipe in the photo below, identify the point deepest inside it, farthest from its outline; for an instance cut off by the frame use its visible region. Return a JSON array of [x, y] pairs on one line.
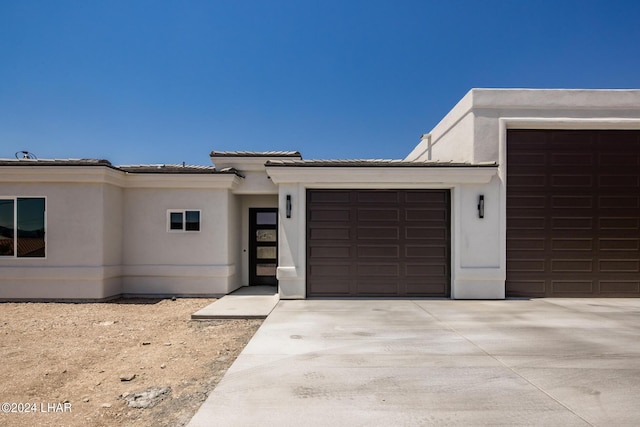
[[426, 137]]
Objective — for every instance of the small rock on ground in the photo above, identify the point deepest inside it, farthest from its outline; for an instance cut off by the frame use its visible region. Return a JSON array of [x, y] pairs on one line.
[[147, 398]]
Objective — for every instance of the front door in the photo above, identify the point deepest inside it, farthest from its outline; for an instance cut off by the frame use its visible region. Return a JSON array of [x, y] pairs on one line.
[[263, 246]]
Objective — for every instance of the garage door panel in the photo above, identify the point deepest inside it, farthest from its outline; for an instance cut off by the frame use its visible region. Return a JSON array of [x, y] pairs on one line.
[[527, 287], [572, 266], [620, 265], [529, 159], [569, 223], [432, 287], [619, 202], [329, 197], [330, 270], [620, 244], [586, 217], [579, 181], [535, 243], [378, 251], [437, 198], [378, 215], [618, 160], [619, 223], [532, 182], [527, 213], [337, 252], [385, 233], [572, 244], [575, 141], [412, 214], [577, 287], [416, 233], [330, 215], [398, 243], [377, 197], [330, 234], [526, 223], [619, 181], [438, 252], [372, 270], [426, 270], [526, 202], [616, 287], [571, 201], [572, 159], [527, 265], [377, 288]]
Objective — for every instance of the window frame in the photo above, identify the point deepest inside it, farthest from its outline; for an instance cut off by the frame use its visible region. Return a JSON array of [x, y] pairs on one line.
[[15, 227], [183, 212]]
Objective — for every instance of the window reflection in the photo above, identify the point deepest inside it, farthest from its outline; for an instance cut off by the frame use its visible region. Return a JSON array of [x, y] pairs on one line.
[[266, 235], [30, 227], [266, 218], [192, 222], [176, 221], [266, 252], [6, 228], [265, 270]]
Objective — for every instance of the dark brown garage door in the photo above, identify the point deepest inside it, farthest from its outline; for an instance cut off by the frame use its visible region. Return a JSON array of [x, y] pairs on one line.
[[378, 243], [573, 213]]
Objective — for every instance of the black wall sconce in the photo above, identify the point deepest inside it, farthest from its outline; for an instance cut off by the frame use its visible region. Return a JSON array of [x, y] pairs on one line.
[[481, 206], [288, 206]]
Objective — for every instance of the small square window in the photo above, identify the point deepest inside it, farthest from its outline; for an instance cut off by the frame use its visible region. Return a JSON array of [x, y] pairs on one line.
[[183, 220]]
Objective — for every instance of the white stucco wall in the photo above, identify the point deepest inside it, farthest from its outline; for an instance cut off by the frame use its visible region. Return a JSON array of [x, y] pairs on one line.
[[451, 139], [475, 131], [234, 215], [158, 261], [81, 251], [112, 214], [476, 269], [473, 260]]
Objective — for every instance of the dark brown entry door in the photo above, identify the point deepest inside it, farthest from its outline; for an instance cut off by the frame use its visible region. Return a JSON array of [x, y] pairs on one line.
[[573, 213], [263, 246], [384, 243]]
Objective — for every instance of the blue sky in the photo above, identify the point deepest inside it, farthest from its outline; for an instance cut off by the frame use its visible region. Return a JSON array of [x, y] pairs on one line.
[[169, 81]]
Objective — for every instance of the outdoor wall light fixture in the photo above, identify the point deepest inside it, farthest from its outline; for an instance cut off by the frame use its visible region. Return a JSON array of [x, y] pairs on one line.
[[288, 206], [481, 206]]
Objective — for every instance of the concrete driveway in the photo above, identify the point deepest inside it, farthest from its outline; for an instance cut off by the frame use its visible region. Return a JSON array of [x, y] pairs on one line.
[[555, 362]]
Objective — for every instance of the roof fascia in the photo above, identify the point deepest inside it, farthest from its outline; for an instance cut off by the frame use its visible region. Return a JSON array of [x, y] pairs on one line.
[[108, 175], [214, 181], [377, 176], [77, 174]]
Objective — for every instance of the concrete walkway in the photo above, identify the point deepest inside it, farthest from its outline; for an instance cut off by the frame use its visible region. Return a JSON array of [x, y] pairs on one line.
[[550, 362], [248, 302]]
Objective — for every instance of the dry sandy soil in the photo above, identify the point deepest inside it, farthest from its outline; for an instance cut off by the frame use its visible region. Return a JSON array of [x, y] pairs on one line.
[[64, 364]]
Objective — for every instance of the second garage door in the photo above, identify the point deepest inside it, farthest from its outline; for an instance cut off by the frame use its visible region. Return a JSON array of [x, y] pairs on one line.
[[378, 243], [573, 213]]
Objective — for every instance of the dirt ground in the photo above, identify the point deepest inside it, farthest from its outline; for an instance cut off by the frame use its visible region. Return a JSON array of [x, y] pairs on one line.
[[64, 364]]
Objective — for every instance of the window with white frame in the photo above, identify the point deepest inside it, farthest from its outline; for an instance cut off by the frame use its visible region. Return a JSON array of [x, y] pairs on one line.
[[22, 227], [183, 220]]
